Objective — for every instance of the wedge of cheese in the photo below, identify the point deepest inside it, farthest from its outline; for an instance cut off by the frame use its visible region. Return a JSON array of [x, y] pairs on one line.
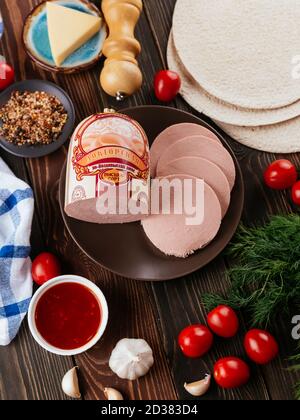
[[68, 30]]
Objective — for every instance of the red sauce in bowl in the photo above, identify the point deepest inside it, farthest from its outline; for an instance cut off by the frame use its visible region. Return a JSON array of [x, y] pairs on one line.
[[68, 316]]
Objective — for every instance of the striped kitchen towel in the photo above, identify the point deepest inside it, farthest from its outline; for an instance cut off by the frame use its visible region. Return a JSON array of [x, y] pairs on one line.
[[1, 26], [16, 211]]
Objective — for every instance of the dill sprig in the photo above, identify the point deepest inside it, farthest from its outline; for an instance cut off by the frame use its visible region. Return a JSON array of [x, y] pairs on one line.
[[266, 280]]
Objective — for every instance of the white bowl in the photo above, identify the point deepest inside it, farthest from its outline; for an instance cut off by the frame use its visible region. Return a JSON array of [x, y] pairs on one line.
[[54, 282]]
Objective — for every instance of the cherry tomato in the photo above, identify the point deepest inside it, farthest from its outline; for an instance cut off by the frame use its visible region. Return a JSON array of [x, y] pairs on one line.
[[166, 85], [7, 75], [296, 193], [195, 340], [223, 321], [281, 175], [45, 267], [260, 346], [231, 372]]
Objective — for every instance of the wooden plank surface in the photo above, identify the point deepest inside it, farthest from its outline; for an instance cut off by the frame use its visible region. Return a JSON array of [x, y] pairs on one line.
[[156, 312], [267, 381]]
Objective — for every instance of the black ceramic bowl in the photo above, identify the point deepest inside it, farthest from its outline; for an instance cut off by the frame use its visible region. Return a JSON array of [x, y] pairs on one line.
[[35, 151]]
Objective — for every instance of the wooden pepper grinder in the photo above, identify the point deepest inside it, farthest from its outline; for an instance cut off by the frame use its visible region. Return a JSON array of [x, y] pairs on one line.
[[121, 75]]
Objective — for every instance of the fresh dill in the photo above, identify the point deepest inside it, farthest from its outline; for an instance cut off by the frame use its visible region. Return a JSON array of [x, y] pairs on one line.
[[266, 280]]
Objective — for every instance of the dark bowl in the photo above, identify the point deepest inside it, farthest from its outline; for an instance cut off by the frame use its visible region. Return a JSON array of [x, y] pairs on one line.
[[125, 249], [35, 151]]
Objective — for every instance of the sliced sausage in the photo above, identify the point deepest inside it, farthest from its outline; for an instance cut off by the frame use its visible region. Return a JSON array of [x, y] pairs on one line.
[[173, 236], [171, 135], [203, 169], [200, 146], [93, 210]]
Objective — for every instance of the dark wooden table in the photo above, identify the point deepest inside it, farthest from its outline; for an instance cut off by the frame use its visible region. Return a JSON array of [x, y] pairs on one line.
[[156, 312]]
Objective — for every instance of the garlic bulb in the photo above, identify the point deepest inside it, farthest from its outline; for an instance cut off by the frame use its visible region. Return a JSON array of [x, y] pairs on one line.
[[70, 384], [113, 394], [199, 388], [131, 359]]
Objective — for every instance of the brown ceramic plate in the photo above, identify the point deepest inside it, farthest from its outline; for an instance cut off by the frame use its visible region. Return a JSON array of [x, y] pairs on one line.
[[124, 249]]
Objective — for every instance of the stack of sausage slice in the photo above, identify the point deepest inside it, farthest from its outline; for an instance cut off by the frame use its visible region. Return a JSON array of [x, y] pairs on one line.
[[190, 151]]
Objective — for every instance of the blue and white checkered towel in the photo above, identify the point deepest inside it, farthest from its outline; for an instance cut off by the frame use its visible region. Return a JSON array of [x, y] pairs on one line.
[[1, 26], [16, 211]]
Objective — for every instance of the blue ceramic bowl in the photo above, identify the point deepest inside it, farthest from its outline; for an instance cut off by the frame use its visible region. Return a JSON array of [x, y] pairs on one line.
[[37, 45]]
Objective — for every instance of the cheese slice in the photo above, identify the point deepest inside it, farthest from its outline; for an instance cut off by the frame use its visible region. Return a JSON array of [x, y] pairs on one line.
[[68, 30]]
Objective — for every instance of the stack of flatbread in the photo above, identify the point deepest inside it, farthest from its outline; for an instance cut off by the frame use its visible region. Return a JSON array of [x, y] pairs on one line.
[[239, 61]]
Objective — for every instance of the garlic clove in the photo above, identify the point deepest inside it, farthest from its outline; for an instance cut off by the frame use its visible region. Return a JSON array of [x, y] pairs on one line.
[[199, 388], [70, 384], [113, 395]]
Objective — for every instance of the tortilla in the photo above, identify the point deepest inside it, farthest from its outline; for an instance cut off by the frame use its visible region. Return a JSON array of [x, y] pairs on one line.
[[241, 51], [277, 138], [205, 103]]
